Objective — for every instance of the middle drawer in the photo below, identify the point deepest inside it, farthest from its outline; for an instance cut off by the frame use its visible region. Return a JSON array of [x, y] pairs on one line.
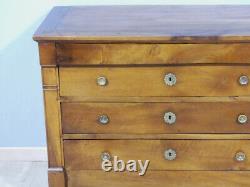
[[155, 118]]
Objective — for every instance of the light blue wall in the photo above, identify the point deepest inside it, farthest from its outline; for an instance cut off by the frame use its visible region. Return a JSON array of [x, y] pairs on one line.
[[21, 104]]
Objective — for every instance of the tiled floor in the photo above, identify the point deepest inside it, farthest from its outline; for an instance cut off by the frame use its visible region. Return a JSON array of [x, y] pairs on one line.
[[23, 174]]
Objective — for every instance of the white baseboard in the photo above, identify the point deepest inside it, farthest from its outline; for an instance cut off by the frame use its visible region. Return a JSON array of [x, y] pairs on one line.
[[23, 154]]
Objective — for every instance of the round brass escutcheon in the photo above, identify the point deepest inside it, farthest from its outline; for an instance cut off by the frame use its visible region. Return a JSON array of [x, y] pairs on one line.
[[240, 156], [170, 79], [103, 119], [242, 119], [169, 118], [170, 154], [243, 80], [105, 156], [102, 81]]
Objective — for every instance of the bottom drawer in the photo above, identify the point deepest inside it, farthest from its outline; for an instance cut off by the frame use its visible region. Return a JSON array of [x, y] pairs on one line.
[[92, 178], [163, 154]]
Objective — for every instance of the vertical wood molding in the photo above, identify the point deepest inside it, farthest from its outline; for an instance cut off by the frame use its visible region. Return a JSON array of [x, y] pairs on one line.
[[50, 80], [52, 105], [52, 112]]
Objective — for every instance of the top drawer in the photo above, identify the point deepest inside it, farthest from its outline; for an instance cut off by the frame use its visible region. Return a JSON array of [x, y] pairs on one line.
[[155, 81], [123, 54]]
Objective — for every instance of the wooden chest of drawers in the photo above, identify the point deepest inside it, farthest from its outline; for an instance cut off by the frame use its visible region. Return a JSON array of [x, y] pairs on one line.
[[168, 84]]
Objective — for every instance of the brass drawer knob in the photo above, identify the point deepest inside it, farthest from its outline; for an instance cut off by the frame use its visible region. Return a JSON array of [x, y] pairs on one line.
[[170, 154], [240, 157], [102, 81], [105, 156], [170, 79], [103, 119], [169, 118], [243, 80], [242, 119]]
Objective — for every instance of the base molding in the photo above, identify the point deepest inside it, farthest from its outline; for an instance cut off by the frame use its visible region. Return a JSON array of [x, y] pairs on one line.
[[28, 154]]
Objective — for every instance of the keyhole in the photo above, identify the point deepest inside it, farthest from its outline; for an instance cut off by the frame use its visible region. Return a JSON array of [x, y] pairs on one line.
[[169, 117], [170, 154], [170, 79]]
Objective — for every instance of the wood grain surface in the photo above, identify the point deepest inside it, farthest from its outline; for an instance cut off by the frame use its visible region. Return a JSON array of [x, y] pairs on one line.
[[57, 179], [149, 81], [147, 24], [151, 54], [157, 136], [47, 54], [135, 99], [89, 178], [148, 118], [134, 47], [191, 154], [53, 128]]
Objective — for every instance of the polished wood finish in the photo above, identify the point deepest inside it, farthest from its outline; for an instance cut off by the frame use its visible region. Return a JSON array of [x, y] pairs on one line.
[[149, 81], [53, 128], [56, 179], [207, 47], [50, 77], [159, 178], [47, 52], [152, 54], [147, 24], [50, 80], [191, 154], [83, 99], [157, 136], [149, 118]]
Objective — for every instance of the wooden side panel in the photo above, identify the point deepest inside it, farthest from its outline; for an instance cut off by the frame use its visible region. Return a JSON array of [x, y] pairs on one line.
[[191, 154], [148, 118], [123, 54], [149, 81], [47, 52], [57, 179], [52, 113], [159, 179]]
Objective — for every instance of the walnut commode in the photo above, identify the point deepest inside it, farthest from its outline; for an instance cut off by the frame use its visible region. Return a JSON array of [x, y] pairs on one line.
[[169, 84]]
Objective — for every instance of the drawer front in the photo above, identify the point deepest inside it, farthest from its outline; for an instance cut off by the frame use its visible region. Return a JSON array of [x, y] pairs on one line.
[[159, 178], [152, 118], [163, 154], [155, 81], [123, 54]]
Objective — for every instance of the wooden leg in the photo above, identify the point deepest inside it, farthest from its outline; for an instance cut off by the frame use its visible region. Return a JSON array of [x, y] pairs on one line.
[[56, 177]]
